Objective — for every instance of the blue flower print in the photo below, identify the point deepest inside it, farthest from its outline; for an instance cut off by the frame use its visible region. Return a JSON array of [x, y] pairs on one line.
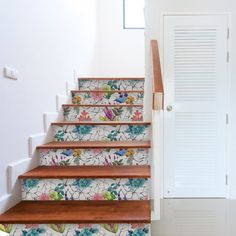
[[30, 183], [136, 183], [83, 183], [83, 129], [86, 232], [33, 232], [135, 130], [59, 136], [138, 232]]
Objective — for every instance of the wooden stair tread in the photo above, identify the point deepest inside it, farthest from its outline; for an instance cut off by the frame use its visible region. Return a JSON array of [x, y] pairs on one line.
[[107, 91], [34, 212], [110, 78], [102, 123], [59, 172], [101, 105], [96, 144]]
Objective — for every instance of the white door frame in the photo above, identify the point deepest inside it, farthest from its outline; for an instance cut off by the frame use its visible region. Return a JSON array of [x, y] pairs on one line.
[[228, 83]]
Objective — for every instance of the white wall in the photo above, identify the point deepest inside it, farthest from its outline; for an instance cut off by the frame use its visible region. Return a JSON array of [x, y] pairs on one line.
[[154, 9], [45, 41], [120, 52]]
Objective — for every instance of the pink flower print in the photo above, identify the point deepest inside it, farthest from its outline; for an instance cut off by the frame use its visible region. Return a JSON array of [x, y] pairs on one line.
[[106, 162], [43, 152], [54, 162], [97, 196], [108, 113], [97, 94], [44, 197], [81, 226], [85, 116], [97, 151], [28, 226], [135, 226], [137, 116]]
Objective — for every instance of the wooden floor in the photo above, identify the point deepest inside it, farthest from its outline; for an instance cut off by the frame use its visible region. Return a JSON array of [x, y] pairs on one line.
[[102, 105], [52, 172], [101, 123], [111, 78], [107, 91], [46, 212], [96, 144]]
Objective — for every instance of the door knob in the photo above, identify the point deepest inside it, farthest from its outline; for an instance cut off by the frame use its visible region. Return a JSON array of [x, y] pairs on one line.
[[169, 108]]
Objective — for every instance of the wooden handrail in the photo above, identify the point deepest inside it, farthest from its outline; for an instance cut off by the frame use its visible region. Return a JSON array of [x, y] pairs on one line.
[[158, 90]]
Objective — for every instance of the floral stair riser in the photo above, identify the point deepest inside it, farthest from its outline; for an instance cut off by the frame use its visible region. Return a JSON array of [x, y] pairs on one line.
[[78, 113], [107, 85], [76, 229], [94, 157], [85, 189], [97, 97], [93, 188], [101, 132]]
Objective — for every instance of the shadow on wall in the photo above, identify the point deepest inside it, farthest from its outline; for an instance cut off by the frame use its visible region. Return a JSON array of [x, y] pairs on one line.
[[17, 168]]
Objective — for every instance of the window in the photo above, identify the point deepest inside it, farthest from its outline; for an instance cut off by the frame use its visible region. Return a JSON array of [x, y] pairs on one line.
[[133, 14]]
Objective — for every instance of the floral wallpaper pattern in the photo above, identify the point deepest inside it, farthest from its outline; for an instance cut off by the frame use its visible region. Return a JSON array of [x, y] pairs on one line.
[[78, 113], [97, 92], [85, 189], [76, 229], [89, 157], [107, 98], [111, 84], [101, 132]]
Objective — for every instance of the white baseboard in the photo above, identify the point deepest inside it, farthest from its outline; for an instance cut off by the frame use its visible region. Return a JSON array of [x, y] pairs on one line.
[[157, 127], [60, 100], [18, 168], [154, 216], [48, 118], [14, 188], [34, 141], [71, 86]]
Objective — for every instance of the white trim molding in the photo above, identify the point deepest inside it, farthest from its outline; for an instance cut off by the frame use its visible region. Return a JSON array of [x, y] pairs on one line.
[[14, 191], [60, 100], [18, 168], [71, 86], [48, 118], [34, 141], [157, 152]]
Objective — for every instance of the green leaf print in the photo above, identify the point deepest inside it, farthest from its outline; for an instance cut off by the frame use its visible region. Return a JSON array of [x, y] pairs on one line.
[[112, 228], [83, 129], [108, 196], [59, 136], [6, 228], [60, 228], [66, 111]]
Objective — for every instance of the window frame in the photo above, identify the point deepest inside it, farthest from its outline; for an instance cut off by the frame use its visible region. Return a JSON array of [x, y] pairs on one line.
[[124, 20]]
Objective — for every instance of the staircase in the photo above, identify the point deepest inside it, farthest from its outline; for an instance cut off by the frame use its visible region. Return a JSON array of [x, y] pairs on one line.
[[93, 178]]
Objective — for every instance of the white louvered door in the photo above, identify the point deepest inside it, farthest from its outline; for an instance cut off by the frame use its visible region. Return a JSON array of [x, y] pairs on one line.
[[195, 78]]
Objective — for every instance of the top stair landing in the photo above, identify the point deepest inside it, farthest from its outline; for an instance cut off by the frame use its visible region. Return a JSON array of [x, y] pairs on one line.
[[136, 84]]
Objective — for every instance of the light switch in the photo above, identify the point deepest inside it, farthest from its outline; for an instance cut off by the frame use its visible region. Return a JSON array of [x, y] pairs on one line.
[[11, 73]]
